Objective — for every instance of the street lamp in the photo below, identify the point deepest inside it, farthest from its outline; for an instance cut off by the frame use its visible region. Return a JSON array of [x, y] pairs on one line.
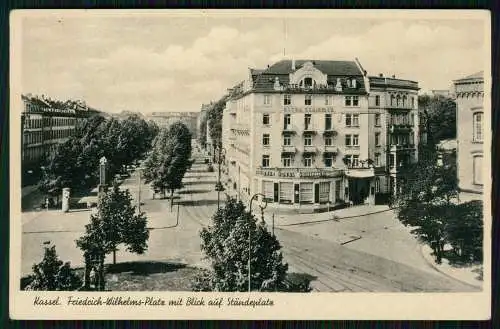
[[219, 187], [249, 235]]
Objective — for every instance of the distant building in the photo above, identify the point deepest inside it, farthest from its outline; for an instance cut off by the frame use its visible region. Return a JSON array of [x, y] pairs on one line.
[[201, 118], [165, 119], [469, 96], [46, 123], [441, 92], [313, 134]]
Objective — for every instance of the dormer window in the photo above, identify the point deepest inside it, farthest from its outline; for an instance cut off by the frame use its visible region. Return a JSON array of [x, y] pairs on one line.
[[308, 82], [353, 84]]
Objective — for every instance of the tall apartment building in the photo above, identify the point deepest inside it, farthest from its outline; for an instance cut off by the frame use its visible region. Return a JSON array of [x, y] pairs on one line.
[[313, 134], [46, 123], [469, 96]]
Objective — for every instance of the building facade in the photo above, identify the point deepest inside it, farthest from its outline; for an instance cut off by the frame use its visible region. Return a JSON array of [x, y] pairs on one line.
[[165, 119], [46, 124], [469, 96], [316, 134]]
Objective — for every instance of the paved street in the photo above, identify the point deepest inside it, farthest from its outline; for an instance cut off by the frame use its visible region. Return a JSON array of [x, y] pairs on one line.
[[385, 258]]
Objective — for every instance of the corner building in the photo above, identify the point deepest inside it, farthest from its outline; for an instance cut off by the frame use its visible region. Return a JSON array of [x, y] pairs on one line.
[[311, 135], [469, 95]]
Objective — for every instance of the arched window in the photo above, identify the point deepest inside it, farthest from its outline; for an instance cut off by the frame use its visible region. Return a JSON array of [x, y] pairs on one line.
[[477, 128], [393, 100], [308, 82], [398, 101], [404, 101]]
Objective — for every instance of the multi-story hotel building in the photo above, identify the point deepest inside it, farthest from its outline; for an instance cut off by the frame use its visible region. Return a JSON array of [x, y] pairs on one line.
[[469, 96], [314, 134]]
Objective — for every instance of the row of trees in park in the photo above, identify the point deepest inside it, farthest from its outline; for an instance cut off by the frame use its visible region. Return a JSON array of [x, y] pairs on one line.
[[169, 159], [76, 162]]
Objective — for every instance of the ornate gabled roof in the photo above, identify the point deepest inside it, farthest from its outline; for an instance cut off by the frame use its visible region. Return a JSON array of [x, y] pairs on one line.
[[336, 68]]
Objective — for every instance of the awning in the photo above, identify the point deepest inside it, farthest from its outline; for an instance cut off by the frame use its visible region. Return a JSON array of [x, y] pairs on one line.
[[360, 173]]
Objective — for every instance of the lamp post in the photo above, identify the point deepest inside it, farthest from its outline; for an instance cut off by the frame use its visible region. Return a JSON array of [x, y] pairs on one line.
[[249, 235], [219, 187]]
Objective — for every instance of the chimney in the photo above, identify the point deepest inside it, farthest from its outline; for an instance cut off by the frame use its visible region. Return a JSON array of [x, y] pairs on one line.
[[381, 75], [293, 64], [393, 76]]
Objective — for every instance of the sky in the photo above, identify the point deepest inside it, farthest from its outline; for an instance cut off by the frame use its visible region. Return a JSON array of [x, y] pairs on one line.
[[166, 61]]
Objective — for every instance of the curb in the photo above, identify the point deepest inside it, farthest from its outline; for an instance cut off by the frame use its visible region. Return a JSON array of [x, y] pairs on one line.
[[437, 269], [336, 218]]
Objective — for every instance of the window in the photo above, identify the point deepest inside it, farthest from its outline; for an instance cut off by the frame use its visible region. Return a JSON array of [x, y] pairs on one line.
[[478, 127], [393, 100], [265, 119], [307, 161], [478, 168], [265, 139], [308, 82], [306, 192], [328, 141], [287, 161], [377, 100], [355, 120], [328, 161], [377, 139], [287, 99], [328, 100], [377, 120], [308, 99], [324, 192], [351, 100], [412, 100], [355, 100], [348, 140], [377, 159], [265, 161], [308, 140], [287, 141], [328, 121], [286, 192], [348, 101], [352, 120], [267, 99], [338, 187], [377, 185], [355, 140], [355, 160], [307, 121], [287, 120]]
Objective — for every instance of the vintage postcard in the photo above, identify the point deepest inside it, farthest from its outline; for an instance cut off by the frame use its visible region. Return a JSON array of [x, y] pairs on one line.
[[250, 164]]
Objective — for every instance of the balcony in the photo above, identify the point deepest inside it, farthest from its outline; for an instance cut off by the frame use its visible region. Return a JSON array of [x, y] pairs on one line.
[[360, 170], [289, 129], [310, 149], [331, 149], [290, 149], [405, 127], [299, 172], [401, 147], [329, 132], [309, 129]]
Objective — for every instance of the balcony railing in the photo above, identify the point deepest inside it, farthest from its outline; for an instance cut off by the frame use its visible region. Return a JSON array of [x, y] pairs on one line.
[[329, 131], [299, 172], [240, 126], [331, 149], [310, 149], [288, 149], [401, 127], [400, 147], [289, 129]]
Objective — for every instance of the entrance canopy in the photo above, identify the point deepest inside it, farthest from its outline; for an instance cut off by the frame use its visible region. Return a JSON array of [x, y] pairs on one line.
[[360, 173]]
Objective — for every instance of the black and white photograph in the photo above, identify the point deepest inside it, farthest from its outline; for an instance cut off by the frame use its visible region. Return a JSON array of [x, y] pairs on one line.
[[159, 158]]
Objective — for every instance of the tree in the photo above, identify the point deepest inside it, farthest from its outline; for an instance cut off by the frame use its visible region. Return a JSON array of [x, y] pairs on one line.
[[169, 160], [465, 231], [226, 244], [439, 115], [426, 201], [215, 122], [115, 223], [51, 274]]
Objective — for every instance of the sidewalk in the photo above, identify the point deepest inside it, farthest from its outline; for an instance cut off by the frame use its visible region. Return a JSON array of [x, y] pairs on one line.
[[468, 275], [334, 215]]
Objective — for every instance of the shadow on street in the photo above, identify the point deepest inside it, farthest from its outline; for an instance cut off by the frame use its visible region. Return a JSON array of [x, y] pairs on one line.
[[143, 268], [193, 191]]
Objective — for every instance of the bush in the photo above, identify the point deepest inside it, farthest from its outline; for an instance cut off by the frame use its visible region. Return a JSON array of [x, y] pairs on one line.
[[52, 275], [464, 231]]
